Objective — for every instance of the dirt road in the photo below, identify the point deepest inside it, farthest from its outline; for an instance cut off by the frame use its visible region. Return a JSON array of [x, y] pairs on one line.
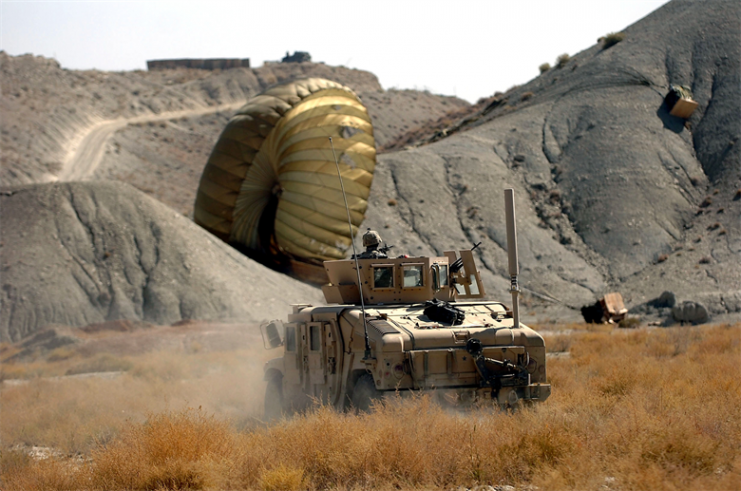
[[86, 151]]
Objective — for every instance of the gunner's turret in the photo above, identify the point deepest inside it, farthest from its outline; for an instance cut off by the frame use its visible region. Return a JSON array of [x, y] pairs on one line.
[[403, 279]]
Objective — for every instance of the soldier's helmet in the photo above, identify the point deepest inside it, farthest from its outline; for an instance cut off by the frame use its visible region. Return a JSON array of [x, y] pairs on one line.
[[371, 239]]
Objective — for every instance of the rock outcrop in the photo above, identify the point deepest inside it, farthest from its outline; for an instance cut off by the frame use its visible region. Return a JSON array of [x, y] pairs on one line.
[[81, 253], [612, 191]]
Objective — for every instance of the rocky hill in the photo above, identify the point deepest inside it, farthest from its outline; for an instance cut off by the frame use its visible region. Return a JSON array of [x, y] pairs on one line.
[[83, 253], [79, 254], [613, 192], [46, 110], [165, 159]]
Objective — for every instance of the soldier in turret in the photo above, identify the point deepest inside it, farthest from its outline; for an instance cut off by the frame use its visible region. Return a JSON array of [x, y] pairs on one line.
[[372, 243]]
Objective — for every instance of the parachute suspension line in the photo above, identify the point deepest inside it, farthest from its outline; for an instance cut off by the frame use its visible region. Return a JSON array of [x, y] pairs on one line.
[[354, 255]]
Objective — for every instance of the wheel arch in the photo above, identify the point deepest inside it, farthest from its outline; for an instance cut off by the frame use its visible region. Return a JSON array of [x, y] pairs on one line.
[[273, 368], [352, 380]]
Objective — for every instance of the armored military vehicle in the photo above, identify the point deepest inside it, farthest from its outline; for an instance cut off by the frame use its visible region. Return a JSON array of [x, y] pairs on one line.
[[401, 324]]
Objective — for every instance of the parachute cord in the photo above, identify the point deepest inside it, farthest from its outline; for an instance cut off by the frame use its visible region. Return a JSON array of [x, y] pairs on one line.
[[354, 255]]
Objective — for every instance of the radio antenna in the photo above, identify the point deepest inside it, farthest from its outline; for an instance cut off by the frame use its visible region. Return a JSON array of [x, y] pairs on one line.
[[354, 254], [514, 267]]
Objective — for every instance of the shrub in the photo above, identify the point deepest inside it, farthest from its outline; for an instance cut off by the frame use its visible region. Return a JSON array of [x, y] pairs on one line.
[[662, 258], [101, 363], [612, 39], [630, 322], [283, 478], [526, 96], [562, 60], [62, 353], [392, 202], [631, 405], [544, 67], [170, 451], [558, 343]]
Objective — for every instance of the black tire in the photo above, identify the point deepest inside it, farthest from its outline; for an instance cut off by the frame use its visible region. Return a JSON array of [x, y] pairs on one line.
[[274, 398], [364, 393]]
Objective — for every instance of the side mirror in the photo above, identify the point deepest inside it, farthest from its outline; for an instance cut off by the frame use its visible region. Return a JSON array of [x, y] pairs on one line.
[[271, 334]]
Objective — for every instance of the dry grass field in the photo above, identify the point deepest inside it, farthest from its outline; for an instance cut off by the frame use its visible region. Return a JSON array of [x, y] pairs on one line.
[[643, 409]]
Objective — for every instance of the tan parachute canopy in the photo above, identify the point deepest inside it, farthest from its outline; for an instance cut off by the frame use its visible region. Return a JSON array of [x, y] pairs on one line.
[[271, 185]]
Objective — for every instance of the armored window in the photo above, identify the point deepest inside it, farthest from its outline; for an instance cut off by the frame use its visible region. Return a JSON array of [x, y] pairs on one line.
[[413, 275], [290, 339], [383, 277], [443, 274], [315, 337], [474, 288]]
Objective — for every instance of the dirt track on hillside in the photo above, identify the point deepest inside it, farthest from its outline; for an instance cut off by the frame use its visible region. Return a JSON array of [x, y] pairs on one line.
[[86, 151]]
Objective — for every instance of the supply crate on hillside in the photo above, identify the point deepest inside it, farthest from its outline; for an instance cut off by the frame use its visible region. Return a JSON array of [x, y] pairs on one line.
[[613, 307], [679, 101]]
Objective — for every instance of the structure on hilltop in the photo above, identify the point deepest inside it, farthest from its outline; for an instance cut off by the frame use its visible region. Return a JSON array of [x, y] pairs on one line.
[[297, 57], [203, 64]]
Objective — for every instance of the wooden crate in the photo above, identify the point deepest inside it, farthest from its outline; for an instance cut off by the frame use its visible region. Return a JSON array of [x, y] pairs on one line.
[[683, 108], [613, 307]]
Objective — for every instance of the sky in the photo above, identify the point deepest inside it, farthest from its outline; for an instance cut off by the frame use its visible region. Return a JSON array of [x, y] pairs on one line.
[[466, 48]]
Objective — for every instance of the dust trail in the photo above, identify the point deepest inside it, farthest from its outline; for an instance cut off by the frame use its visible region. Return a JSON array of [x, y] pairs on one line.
[[104, 380]]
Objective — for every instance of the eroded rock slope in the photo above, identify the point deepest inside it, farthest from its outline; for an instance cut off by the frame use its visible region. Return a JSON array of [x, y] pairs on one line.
[[82, 253], [612, 191], [45, 109]]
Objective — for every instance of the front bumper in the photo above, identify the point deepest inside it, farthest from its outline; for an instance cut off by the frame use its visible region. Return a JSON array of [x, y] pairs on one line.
[[468, 396]]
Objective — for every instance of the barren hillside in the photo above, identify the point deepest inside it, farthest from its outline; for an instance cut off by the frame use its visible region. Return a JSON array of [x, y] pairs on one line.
[[165, 158], [47, 110], [81, 253], [613, 192], [153, 130]]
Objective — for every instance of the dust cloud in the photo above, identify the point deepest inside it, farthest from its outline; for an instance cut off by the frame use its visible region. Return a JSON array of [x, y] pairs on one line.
[[95, 380]]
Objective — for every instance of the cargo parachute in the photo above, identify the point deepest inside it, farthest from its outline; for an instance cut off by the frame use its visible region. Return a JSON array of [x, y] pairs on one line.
[[270, 186]]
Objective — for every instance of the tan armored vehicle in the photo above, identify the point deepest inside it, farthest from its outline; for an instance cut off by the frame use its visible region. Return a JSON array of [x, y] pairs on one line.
[[402, 324]]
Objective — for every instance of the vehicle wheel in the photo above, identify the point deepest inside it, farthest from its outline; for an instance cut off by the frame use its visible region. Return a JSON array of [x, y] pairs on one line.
[[274, 398], [365, 393]]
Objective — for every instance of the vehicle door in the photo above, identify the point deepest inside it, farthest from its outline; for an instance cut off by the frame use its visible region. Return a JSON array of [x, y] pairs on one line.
[[314, 357], [333, 356], [323, 352], [293, 369]]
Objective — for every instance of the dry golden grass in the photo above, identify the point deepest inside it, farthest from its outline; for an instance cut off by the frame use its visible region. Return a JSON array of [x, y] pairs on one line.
[[631, 410], [71, 414]]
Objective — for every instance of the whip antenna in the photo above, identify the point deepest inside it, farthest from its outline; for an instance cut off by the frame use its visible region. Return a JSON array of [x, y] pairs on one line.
[[354, 254]]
